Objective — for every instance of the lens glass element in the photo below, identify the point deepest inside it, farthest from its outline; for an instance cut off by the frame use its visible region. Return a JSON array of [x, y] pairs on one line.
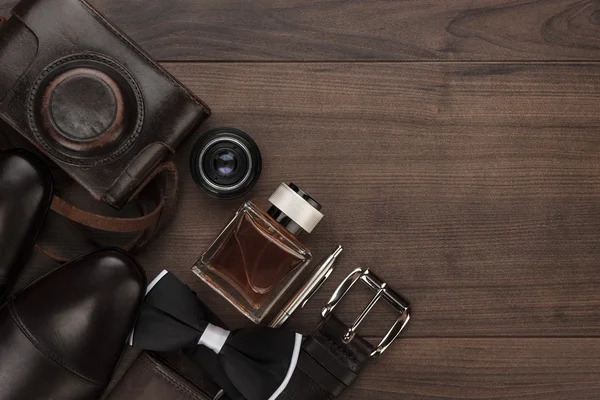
[[225, 163]]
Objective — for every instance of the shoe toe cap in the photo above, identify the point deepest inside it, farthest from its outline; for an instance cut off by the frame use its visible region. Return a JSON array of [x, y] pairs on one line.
[[82, 313]]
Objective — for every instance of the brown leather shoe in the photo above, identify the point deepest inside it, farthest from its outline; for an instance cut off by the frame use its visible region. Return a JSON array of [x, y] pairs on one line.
[[25, 196], [62, 337]]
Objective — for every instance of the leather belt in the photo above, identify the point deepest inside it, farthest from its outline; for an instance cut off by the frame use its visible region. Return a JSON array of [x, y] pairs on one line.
[[333, 356]]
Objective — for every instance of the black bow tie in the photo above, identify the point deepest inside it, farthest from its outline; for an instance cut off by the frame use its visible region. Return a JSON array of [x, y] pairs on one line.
[[257, 361]]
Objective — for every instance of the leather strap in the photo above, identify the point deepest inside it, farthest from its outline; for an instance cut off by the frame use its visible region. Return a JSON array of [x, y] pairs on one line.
[[101, 222], [166, 178], [156, 199], [327, 365]]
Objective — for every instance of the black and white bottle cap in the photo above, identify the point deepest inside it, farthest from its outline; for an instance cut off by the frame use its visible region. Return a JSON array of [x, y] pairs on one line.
[[303, 210]]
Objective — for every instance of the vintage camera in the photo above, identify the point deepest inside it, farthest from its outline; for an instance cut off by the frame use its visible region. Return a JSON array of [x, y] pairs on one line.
[[96, 104]]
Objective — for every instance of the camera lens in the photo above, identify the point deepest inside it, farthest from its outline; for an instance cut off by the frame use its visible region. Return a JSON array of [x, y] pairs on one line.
[[226, 163]]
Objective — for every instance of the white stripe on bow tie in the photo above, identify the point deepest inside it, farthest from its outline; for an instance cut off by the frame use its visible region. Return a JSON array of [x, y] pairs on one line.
[[148, 289], [291, 369]]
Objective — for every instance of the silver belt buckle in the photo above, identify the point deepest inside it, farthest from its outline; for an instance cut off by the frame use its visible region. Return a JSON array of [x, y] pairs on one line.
[[381, 290]]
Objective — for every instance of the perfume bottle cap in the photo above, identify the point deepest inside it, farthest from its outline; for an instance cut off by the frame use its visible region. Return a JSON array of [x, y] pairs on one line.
[[294, 209]]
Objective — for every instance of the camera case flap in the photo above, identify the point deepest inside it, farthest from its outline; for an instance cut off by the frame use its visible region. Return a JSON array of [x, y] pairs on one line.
[[89, 98]]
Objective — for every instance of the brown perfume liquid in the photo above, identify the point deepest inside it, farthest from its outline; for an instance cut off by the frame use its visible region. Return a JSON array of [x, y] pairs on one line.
[[254, 259]]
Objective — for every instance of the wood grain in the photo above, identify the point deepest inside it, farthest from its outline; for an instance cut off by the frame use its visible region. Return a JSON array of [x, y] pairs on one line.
[[473, 189], [455, 148], [326, 30], [449, 369]]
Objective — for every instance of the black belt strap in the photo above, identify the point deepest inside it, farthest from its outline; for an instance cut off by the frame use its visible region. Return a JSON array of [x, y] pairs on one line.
[[327, 365]]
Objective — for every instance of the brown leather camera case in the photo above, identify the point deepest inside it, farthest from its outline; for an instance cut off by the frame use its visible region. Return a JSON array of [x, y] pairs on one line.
[[84, 94]]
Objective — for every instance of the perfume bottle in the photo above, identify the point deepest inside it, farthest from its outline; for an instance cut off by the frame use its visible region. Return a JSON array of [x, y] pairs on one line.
[[256, 258]]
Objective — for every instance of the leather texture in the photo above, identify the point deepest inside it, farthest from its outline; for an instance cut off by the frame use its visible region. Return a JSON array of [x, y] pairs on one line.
[[25, 195], [157, 204], [152, 378], [62, 336], [95, 103], [327, 365]]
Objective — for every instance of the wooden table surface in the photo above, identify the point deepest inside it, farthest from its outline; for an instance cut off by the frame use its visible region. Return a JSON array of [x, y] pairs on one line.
[[454, 146]]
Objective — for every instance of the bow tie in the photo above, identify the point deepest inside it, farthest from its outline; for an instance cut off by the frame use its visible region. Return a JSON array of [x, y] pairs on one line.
[[258, 362]]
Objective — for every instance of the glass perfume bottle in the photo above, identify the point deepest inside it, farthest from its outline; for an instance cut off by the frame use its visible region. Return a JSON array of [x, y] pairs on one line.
[[256, 258]]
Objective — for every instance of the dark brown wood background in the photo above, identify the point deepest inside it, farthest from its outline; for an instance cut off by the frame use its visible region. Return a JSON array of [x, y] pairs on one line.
[[455, 146]]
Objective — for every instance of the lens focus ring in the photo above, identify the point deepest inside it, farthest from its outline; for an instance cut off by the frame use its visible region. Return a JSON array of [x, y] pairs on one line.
[[239, 153]]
